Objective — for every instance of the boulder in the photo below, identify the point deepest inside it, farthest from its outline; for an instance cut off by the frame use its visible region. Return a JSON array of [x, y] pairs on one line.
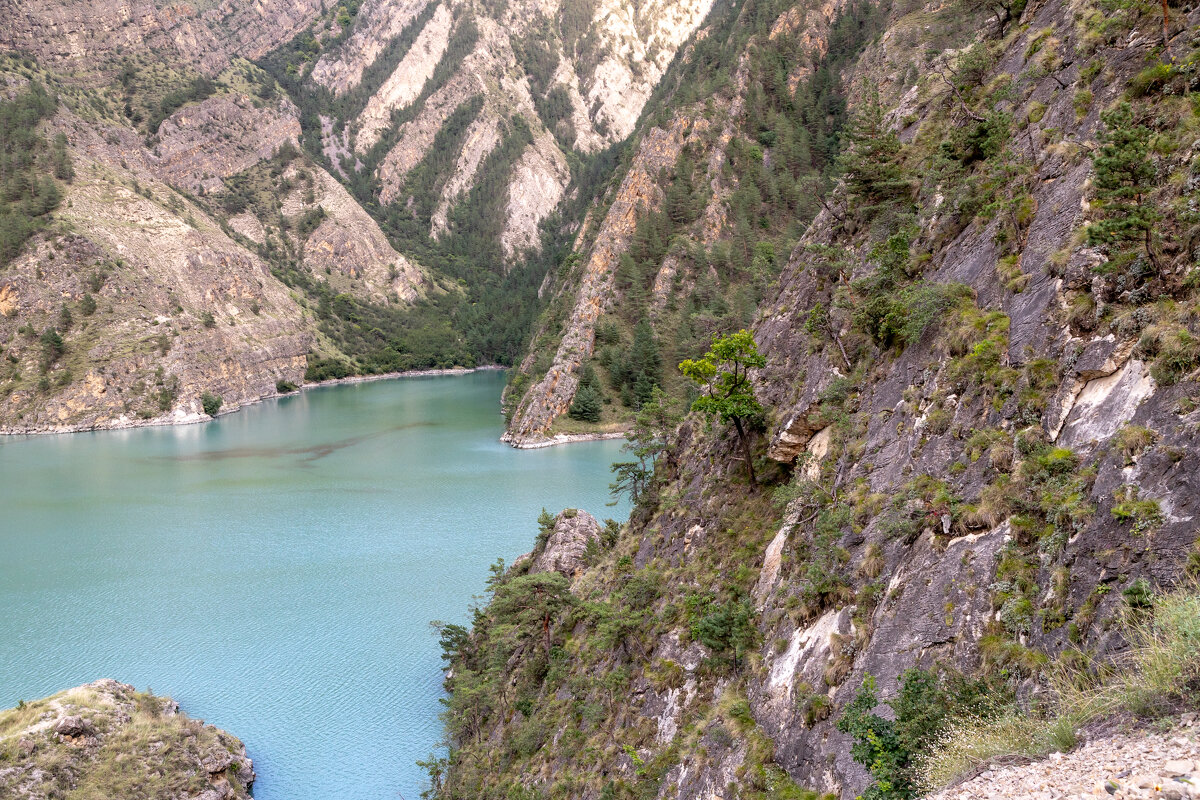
[[74, 726], [567, 544]]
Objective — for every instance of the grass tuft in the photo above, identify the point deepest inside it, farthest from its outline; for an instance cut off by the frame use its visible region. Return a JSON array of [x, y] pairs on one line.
[[1160, 671]]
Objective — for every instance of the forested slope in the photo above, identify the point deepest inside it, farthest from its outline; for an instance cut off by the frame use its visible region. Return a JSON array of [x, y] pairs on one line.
[[973, 428]]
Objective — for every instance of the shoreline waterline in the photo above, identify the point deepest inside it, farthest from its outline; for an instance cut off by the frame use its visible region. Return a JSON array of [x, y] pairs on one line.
[[178, 418]]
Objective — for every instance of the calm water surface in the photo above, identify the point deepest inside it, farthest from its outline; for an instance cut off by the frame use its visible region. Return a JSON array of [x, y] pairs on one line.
[[276, 570]]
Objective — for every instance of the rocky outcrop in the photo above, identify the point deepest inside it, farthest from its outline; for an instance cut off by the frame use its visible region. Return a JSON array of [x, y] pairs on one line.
[[219, 137], [481, 138], [416, 136], [349, 242], [566, 548], [178, 309], [405, 83], [640, 189], [105, 739], [631, 49], [638, 43], [538, 183]]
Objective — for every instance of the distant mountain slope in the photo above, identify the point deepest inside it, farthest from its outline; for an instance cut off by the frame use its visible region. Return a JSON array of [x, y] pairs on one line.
[[448, 152], [155, 277], [83, 39]]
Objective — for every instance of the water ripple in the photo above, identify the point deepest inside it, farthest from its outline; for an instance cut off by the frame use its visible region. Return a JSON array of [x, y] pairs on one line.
[[276, 570]]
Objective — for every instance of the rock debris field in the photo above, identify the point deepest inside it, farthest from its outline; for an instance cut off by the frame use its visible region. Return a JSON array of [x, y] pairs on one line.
[[1141, 764]]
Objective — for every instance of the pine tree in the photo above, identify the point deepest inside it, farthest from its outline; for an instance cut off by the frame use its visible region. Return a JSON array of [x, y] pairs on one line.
[[645, 358], [587, 404], [1125, 176], [871, 165]]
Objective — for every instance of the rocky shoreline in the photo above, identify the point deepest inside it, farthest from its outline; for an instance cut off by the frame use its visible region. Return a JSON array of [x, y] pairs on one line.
[[412, 373], [564, 438], [106, 739], [180, 417]]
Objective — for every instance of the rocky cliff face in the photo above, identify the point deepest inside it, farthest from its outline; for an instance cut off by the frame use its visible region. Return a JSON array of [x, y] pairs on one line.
[[694, 149], [79, 38], [161, 306], [105, 739], [991, 483], [639, 191], [577, 74]]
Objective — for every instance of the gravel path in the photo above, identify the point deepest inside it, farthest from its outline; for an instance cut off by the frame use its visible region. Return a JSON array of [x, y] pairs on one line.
[[1132, 765]]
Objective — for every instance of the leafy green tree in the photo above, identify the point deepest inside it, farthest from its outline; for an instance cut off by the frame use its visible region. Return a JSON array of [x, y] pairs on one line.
[[1125, 177], [724, 375], [533, 601]]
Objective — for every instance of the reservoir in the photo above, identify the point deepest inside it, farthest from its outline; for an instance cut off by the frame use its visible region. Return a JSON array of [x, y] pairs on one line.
[[276, 570]]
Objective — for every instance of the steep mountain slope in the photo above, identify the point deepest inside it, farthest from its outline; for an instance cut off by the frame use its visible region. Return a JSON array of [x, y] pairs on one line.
[[478, 133], [714, 194], [474, 135], [152, 277], [83, 39], [977, 452]]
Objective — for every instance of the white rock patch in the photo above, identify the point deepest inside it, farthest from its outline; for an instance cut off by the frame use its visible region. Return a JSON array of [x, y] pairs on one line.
[[1105, 404], [406, 81], [538, 182]]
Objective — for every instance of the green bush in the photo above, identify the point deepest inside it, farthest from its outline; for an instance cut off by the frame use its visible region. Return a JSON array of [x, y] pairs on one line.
[[892, 749], [1151, 79], [52, 348], [324, 369], [1178, 355], [211, 403]]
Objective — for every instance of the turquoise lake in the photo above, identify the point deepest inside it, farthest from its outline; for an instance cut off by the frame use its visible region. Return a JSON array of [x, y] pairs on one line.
[[276, 570]]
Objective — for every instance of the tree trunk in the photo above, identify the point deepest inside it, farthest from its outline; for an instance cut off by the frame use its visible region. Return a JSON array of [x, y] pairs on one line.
[[1166, 30], [745, 449]]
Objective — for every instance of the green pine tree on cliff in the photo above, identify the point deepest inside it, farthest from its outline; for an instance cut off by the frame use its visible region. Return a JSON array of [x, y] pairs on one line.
[[1125, 177]]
